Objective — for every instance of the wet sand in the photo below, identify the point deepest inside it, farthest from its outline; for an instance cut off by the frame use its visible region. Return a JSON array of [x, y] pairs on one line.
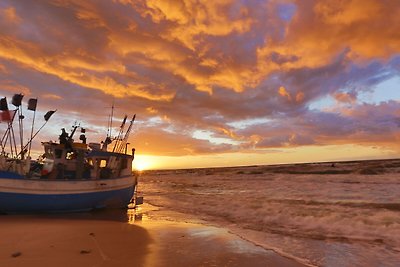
[[110, 239]]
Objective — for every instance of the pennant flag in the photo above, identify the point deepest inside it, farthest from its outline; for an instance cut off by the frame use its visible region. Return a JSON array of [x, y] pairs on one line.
[[3, 104], [6, 115], [32, 103], [17, 99], [48, 114]]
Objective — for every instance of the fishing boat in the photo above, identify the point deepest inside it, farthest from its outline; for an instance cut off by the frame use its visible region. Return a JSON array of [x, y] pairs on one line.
[[69, 176]]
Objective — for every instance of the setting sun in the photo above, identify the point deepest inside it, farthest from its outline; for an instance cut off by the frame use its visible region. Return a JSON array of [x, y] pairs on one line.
[[142, 163]]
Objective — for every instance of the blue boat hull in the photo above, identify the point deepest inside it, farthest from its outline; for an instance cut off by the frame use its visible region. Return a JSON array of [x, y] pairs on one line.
[[27, 203], [21, 195]]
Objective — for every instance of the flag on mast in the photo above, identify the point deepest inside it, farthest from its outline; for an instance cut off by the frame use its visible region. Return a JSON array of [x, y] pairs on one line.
[[32, 103], [3, 104], [6, 115], [48, 114], [17, 99]]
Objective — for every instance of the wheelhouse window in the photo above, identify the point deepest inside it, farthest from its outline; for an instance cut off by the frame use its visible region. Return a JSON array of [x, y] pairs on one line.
[[48, 153], [103, 163]]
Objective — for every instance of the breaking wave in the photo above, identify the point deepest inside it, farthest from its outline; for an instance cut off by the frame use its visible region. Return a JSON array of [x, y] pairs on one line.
[[312, 217]]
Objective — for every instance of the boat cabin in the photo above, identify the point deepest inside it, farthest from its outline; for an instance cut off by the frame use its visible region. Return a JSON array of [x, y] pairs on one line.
[[78, 161]]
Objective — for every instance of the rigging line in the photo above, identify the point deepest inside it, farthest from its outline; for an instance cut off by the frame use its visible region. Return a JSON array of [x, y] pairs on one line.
[[121, 130], [33, 123], [125, 139], [21, 127], [109, 133]]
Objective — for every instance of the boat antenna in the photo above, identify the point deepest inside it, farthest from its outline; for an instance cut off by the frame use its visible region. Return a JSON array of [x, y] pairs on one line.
[[76, 125], [109, 130]]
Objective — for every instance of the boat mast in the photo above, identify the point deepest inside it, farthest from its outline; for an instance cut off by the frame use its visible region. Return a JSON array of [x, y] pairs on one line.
[[17, 101], [110, 121], [32, 104]]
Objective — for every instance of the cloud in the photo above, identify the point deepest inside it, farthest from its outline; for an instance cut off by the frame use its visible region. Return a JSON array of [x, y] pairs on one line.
[[175, 143], [9, 15], [245, 71], [344, 97]]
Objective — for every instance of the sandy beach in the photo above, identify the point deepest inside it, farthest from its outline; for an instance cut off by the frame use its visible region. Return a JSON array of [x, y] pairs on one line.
[[111, 238]]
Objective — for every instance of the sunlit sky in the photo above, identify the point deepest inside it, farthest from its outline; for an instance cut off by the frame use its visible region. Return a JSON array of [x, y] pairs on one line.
[[213, 83]]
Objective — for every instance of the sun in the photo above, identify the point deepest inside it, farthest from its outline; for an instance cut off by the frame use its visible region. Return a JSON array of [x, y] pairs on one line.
[[141, 164]]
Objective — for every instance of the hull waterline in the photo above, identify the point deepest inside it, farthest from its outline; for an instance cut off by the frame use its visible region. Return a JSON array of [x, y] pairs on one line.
[[38, 196]]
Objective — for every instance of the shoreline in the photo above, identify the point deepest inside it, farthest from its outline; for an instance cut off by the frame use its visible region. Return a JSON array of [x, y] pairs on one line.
[[113, 238]]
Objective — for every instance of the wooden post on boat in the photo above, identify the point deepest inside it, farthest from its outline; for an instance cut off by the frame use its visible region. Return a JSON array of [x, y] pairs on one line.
[[110, 122], [17, 101], [32, 103]]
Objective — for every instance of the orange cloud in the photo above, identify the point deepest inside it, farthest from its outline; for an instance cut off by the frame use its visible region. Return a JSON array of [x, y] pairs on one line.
[[227, 132], [345, 97], [321, 30], [299, 97], [13, 87], [195, 18], [284, 93], [52, 96], [3, 69], [347, 12], [31, 55], [10, 15], [151, 110], [148, 141]]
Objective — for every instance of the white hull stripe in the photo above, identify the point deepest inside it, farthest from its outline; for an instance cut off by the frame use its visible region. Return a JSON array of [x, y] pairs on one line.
[[46, 187]]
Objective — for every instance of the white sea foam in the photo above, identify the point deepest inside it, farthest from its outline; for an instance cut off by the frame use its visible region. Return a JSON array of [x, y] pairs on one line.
[[322, 215]]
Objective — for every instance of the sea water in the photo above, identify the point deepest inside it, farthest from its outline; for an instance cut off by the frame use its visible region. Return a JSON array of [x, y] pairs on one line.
[[343, 214]]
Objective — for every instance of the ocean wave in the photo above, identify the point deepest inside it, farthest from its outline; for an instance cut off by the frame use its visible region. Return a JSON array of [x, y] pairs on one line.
[[356, 212]]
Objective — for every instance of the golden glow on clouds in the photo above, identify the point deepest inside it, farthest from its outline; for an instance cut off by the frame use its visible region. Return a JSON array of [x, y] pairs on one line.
[[11, 86], [345, 97], [282, 91], [347, 12], [10, 15], [15, 50], [299, 97], [194, 18], [212, 66], [52, 96], [151, 110]]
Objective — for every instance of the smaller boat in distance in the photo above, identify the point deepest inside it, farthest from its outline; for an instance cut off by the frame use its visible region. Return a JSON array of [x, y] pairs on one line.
[[70, 176]]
